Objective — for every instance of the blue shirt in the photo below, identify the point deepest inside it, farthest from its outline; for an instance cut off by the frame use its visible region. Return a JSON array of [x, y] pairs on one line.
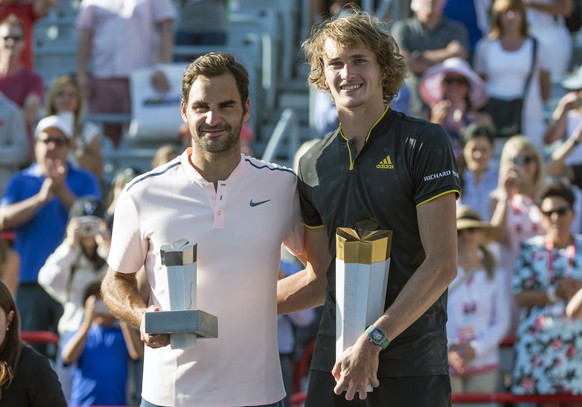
[[100, 374], [477, 196], [36, 239]]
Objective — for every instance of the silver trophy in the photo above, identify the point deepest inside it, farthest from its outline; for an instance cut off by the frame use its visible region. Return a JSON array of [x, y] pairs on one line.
[[184, 322]]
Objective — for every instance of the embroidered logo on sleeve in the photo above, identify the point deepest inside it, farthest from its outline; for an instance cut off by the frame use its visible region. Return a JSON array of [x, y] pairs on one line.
[[385, 164]]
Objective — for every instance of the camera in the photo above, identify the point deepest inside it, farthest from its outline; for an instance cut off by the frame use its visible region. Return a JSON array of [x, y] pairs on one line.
[[88, 226]]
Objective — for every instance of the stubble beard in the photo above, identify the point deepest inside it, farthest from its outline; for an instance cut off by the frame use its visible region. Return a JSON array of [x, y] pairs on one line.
[[222, 144]]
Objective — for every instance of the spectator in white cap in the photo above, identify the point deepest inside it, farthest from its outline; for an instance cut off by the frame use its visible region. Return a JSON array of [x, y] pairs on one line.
[[454, 93], [36, 206]]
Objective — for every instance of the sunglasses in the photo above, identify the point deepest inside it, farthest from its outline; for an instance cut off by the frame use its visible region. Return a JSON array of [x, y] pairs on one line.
[[14, 38], [458, 81], [521, 160], [59, 142], [561, 211]]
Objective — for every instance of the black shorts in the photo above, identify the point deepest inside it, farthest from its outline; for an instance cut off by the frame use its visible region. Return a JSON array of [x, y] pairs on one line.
[[417, 391]]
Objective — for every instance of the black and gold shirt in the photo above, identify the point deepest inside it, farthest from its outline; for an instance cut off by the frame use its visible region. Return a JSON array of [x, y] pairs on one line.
[[404, 163]]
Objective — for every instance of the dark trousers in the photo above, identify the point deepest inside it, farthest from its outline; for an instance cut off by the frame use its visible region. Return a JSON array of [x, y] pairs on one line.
[[417, 391]]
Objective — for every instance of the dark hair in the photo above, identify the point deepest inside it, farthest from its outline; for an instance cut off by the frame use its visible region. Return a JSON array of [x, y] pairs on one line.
[[93, 288], [216, 64], [475, 130], [558, 189], [87, 206], [11, 347], [356, 28]]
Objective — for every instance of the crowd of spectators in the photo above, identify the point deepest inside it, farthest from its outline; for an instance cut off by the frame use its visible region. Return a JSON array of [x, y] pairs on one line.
[[519, 216]]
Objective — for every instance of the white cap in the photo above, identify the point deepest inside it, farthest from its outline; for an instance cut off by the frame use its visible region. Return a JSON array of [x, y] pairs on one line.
[[573, 82], [62, 121]]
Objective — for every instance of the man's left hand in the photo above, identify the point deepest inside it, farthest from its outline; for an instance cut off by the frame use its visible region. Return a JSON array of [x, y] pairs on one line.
[[357, 368]]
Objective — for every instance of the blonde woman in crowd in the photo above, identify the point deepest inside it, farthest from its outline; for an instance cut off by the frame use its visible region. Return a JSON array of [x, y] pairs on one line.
[[516, 215], [65, 95]]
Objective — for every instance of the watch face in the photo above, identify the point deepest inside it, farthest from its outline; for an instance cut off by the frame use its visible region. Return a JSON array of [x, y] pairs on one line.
[[376, 335]]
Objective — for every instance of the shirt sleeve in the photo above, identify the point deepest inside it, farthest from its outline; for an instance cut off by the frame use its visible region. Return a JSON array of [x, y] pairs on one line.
[[433, 165], [128, 248], [294, 241]]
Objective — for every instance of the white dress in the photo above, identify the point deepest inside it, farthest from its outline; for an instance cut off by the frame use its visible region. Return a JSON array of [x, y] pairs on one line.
[[506, 73]]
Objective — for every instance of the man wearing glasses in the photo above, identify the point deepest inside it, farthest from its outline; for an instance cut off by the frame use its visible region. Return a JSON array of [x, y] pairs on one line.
[[36, 206], [18, 83]]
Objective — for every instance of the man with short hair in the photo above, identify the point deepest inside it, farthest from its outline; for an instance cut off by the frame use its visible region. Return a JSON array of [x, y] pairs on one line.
[[238, 210], [400, 173], [36, 206]]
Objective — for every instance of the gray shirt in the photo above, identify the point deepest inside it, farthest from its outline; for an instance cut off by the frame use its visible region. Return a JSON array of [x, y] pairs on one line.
[[14, 145]]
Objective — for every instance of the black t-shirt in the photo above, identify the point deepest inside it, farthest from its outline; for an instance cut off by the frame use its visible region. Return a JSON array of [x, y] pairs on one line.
[[404, 163], [35, 383]]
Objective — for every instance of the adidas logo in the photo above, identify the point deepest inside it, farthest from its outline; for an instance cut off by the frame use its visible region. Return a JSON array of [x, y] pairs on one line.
[[385, 164]]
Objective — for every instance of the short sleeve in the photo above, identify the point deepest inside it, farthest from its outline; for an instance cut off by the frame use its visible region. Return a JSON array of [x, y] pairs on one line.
[[128, 249]]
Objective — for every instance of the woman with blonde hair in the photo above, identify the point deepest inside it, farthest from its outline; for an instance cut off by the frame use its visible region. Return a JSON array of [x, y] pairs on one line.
[[65, 95], [516, 216]]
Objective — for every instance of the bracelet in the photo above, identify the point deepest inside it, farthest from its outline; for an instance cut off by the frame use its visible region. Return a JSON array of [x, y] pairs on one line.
[[551, 294]]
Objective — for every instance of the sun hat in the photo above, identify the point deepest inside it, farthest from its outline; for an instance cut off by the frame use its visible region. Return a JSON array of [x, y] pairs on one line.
[[430, 83], [574, 81], [62, 122], [468, 218]]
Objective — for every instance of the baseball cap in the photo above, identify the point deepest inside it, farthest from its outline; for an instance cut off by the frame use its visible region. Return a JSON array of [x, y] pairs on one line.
[[62, 122], [87, 206]]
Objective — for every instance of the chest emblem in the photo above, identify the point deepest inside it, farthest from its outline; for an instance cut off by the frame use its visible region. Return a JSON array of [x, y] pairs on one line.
[[257, 203], [385, 164]]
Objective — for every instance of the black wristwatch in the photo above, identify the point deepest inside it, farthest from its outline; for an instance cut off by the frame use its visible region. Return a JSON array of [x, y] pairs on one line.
[[377, 336]]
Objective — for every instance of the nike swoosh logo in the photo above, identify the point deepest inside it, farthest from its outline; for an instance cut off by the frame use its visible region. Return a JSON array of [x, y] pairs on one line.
[[251, 203]]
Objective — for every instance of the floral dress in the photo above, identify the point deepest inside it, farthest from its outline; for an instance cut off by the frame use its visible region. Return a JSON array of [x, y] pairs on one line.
[[548, 350]]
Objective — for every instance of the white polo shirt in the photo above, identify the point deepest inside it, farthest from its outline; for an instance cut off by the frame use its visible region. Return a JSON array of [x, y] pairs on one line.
[[239, 229]]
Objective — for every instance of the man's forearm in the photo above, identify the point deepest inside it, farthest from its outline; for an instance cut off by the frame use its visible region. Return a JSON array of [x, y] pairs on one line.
[[122, 297], [15, 215], [300, 291]]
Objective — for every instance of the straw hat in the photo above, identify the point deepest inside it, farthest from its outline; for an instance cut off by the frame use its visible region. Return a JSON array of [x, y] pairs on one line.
[[468, 218], [430, 83]]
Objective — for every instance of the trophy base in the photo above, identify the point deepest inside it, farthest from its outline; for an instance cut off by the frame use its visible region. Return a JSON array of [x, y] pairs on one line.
[[195, 321]]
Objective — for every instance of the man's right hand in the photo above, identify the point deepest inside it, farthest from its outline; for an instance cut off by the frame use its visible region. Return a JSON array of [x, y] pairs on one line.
[[153, 340]]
